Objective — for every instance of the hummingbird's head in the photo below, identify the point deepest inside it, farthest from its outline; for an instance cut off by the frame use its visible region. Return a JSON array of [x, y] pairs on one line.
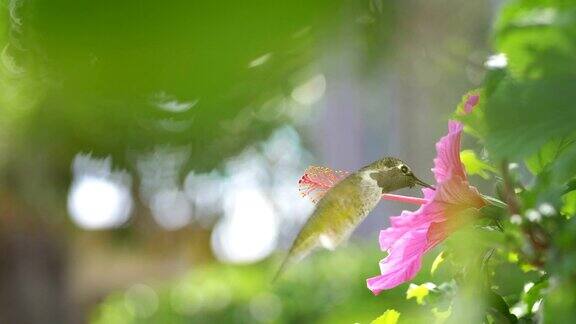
[[393, 174]]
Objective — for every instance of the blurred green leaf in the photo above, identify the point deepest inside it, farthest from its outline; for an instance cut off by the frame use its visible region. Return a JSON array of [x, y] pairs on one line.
[[538, 37], [546, 155], [535, 293], [522, 111], [419, 291], [560, 303], [499, 308], [441, 316], [475, 166], [132, 76], [512, 257], [437, 261], [523, 116], [390, 316], [569, 203], [526, 267]]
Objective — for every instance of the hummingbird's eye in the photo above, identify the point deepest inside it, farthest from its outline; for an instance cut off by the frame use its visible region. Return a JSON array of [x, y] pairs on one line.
[[404, 169]]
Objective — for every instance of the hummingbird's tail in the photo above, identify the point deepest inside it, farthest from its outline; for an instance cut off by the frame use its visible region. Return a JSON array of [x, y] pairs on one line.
[[301, 247], [281, 269]]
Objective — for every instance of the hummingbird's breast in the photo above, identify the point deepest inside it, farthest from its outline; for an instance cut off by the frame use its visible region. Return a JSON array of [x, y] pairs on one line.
[[371, 193], [349, 203]]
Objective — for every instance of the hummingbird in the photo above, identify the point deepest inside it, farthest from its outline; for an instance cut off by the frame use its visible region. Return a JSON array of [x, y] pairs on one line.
[[344, 206]]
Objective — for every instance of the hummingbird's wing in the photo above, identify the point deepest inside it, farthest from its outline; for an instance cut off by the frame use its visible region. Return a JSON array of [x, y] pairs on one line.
[[337, 214], [317, 180]]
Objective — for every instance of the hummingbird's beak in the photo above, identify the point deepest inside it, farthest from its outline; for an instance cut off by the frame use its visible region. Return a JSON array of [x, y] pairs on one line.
[[423, 184]]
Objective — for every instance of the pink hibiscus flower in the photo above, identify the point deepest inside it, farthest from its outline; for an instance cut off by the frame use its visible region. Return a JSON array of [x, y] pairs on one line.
[[414, 233]]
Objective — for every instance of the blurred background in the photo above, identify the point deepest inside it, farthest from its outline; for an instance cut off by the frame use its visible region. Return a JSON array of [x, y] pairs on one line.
[[150, 151]]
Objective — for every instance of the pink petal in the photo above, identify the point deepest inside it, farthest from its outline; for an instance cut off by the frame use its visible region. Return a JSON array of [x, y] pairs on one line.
[[438, 232], [447, 162], [408, 220], [403, 262], [456, 193]]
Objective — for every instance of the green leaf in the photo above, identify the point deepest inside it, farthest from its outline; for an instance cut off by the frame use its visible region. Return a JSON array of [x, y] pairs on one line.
[[534, 293], [526, 267], [546, 155], [499, 307], [475, 166], [437, 261], [390, 316], [522, 117], [560, 303], [538, 37], [419, 291], [523, 110], [565, 166], [569, 206], [512, 257], [441, 316]]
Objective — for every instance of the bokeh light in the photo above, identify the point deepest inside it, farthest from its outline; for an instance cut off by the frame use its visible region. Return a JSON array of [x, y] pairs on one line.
[[170, 103], [98, 198], [249, 229], [311, 91], [141, 301], [171, 209], [496, 61], [205, 192]]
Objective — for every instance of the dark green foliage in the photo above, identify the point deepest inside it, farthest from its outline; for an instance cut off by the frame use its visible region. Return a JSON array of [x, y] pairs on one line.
[[94, 70]]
